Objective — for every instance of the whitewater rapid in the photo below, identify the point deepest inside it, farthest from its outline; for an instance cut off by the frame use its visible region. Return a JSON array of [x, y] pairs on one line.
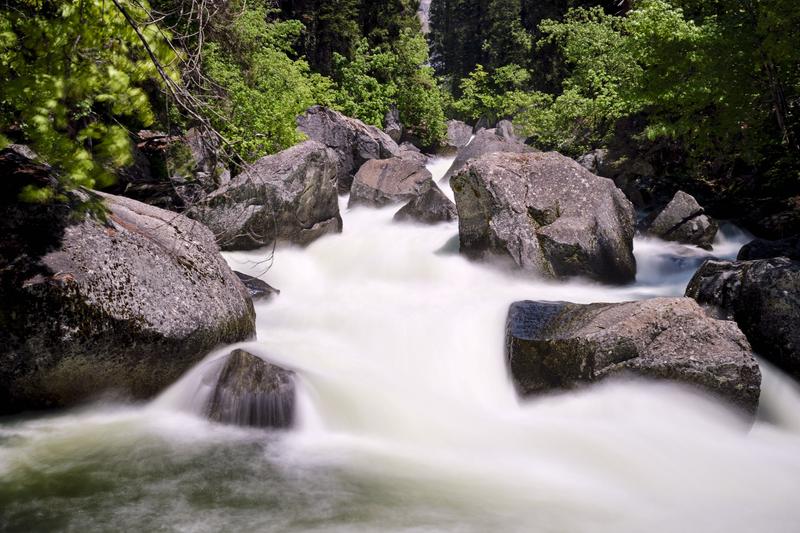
[[408, 420]]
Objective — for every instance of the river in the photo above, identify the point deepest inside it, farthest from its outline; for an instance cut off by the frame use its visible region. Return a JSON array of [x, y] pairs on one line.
[[408, 420]]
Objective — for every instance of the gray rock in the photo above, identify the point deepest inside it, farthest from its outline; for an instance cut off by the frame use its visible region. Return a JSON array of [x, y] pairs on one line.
[[764, 249], [126, 305], [684, 220], [414, 155], [257, 288], [594, 161], [547, 215], [458, 135], [507, 130], [353, 141], [429, 208], [392, 125], [289, 197], [485, 142], [381, 182], [763, 297], [554, 346], [252, 392]]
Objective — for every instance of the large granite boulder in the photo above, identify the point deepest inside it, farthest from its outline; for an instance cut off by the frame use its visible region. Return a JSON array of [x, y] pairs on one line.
[[594, 161], [127, 303], [545, 214], [458, 136], [353, 141], [684, 220], [765, 249], [253, 392], [381, 182], [485, 142], [556, 345], [763, 297], [430, 208], [289, 197]]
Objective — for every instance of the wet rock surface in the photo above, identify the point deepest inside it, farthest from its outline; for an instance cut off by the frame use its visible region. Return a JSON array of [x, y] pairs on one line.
[[763, 297], [253, 392], [553, 346], [766, 249], [545, 214]]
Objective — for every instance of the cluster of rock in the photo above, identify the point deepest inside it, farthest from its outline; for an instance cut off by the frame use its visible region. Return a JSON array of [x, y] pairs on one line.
[[118, 327]]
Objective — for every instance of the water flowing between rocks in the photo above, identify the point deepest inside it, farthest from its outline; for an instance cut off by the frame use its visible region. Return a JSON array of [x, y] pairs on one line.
[[408, 420]]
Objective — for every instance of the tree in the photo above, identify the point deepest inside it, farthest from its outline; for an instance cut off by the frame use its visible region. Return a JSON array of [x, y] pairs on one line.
[[74, 76]]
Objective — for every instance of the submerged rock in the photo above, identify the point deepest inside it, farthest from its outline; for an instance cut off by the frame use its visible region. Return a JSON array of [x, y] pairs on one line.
[[684, 220], [764, 249], [429, 208], [290, 196], [353, 141], [763, 297], [252, 392], [547, 215], [258, 289], [485, 142], [125, 305], [381, 182], [556, 345]]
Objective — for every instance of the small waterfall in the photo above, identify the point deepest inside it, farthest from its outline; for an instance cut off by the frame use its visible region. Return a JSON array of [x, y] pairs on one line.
[[235, 387]]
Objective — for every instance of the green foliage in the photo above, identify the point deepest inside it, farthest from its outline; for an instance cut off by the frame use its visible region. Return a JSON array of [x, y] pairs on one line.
[[374, 79], [72, 76], [262, 89], [501, 94], [601, 70]]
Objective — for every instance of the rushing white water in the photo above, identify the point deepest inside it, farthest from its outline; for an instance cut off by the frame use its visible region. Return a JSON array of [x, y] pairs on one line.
[[409, 422]]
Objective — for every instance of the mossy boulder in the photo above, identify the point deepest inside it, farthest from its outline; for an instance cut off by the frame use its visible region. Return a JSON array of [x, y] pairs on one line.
[[125, 304]]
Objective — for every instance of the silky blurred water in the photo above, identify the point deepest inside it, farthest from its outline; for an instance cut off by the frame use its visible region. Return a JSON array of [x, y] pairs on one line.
[[408, 420]]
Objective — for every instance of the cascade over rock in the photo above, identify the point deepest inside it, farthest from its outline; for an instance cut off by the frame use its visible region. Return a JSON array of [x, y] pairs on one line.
[[763, 297], [353, 141], [253, 392], [485, 142], [381, 182], [557, 345], [290, 196], [547, 215], [125, 305]]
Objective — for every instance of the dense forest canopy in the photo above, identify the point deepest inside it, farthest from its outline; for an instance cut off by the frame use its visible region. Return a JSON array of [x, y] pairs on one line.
[[706, 91]]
